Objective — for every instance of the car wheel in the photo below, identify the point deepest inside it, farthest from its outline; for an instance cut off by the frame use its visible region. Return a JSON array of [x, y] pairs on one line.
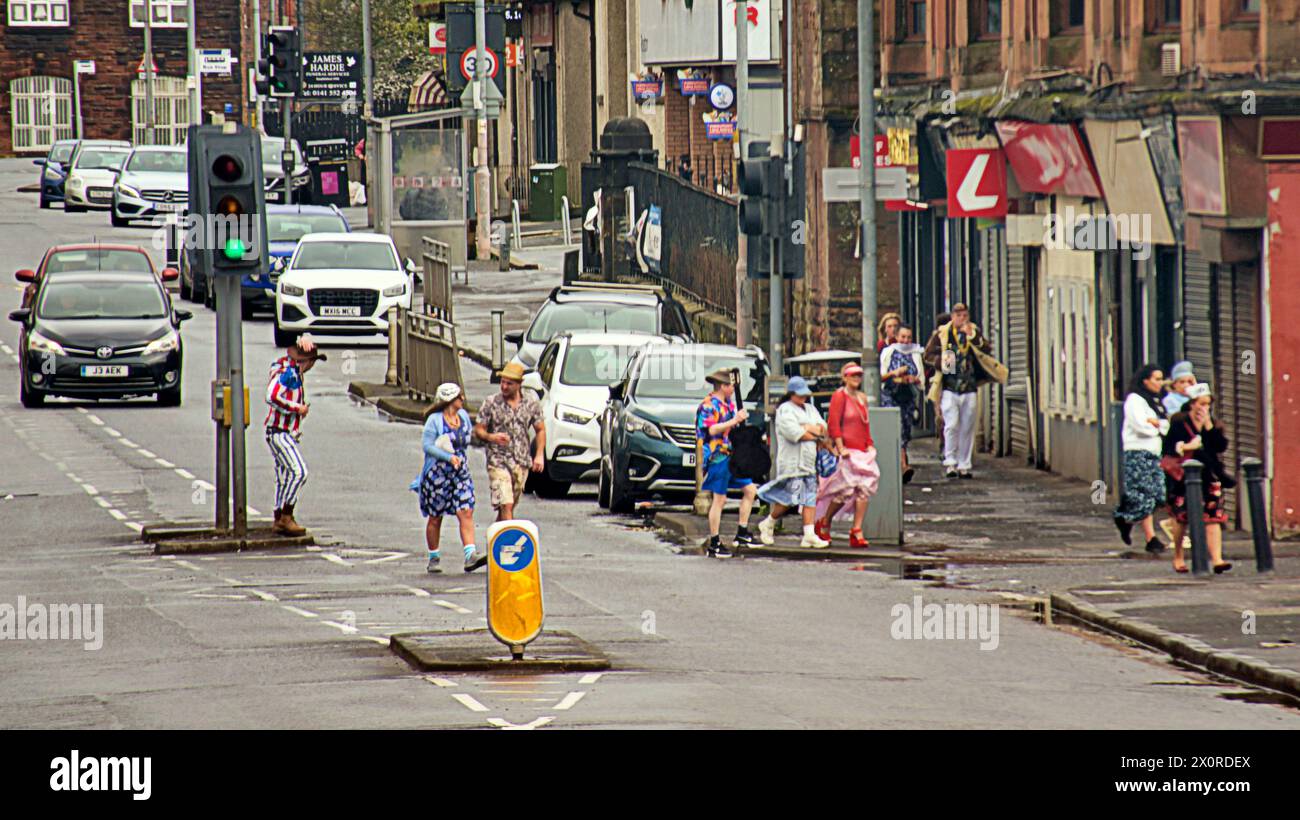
[[246, 310], [29, 398], [283, 338], [118, 222], [620, 495], [602, 488], [170, 398]]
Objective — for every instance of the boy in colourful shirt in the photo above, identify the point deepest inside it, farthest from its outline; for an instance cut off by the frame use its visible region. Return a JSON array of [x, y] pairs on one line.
[[714, 420]]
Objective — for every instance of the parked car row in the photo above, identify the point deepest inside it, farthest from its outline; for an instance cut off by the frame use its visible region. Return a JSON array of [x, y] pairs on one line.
[[620, 378]]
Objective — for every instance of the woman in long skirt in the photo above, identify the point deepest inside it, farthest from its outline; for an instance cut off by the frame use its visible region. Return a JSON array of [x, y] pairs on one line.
[[857, 477], [1144, 482]]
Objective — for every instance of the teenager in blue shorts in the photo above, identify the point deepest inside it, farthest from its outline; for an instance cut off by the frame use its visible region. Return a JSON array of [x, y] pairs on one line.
[[714, 421]]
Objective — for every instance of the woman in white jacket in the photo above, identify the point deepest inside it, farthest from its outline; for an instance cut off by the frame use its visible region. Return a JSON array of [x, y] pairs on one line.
[[798, 426], [1145, 424]]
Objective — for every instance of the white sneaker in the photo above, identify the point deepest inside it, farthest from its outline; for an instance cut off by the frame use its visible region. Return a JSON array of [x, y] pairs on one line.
[[812, 540], [767, 532]]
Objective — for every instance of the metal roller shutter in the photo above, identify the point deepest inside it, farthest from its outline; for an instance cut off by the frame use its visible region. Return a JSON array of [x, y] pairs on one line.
[[1018, 335], [1236, 374], [1198, 329]]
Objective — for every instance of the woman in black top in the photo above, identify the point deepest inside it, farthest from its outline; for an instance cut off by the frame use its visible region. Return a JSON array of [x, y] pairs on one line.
[[1193, 433]]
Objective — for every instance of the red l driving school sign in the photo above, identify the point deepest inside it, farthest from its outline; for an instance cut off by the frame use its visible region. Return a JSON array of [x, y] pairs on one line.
[[977, 182]]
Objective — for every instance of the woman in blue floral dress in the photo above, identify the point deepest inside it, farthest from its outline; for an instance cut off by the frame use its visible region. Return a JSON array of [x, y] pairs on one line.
[[444, 484], [900, 369]]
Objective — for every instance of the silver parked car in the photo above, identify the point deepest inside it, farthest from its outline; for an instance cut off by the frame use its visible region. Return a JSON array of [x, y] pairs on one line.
[[153, 181]]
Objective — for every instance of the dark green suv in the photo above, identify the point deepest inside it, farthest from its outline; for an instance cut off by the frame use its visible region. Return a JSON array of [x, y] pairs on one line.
[[647, 432]]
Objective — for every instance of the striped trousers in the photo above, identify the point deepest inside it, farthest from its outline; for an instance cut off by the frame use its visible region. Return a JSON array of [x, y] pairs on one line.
[[290, 469]]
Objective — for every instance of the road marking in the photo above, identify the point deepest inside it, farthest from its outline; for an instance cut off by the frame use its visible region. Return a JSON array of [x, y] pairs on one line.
[[164, 463], [378, 640], [569, 700], [329, 556], [252, 511], [304, 613], [417, 592], [94, 419], [533, 724], [112, 432], [590, 678], [265, 596], [350, 630], [453, 607], [126, 442], [118, 514], [469, 703], [103, 502], [185, 474], [6, 348], [187, 565], [89, 489], [133, 525], [442, 682], [395, 556], [146, 453], [203, 485]]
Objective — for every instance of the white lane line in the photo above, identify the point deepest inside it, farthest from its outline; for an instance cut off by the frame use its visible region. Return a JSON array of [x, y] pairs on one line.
[[440, 682], [304, 613], [569, 700], [469, 703], [185, 474], [394, 557], [265, 596], [94, 419], [126, 442], [82, 410], [162, 462], [146, 453], [103, 502], [188, 566], [345, 628], [536, 723], [329, 556], [374, 638], [417, 592], [6, 348], [453, 607], [252, 511], [90, 490], [590, 678], [203, 485], [112, 432], [133, 525]]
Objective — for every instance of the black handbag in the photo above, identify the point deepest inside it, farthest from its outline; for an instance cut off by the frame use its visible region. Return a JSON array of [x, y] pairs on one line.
[[749, 456]]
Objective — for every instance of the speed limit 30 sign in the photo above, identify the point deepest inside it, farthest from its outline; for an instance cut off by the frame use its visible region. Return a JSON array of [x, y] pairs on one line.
[[468, 63]]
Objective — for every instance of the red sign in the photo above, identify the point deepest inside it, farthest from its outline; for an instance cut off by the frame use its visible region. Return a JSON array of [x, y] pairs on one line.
[[1048, 159], [1200, 149], [437, 38], [1279, 138], [882, 151], [513, 55], [977, 182], [469, 58]]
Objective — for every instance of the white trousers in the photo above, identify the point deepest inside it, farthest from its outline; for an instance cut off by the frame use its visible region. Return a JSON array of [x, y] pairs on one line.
[[958, 429]]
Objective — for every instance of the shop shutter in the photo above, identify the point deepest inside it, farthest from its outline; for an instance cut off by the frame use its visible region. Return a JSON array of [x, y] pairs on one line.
[[1237, 391], [1018, 335], [1198, 329]]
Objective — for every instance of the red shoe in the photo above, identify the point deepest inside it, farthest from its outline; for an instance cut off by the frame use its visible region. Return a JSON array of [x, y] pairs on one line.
[[822, 529], [856, 541]]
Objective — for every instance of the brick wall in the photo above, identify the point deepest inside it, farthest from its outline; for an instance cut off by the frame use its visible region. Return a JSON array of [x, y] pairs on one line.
[[684, 131], [100, 31]]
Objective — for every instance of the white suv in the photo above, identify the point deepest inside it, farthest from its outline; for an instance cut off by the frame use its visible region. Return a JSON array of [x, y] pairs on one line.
[[573, 376], [340, 284]]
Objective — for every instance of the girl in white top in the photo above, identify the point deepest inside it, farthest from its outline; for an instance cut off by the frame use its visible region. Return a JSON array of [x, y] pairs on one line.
[[1145, 424]]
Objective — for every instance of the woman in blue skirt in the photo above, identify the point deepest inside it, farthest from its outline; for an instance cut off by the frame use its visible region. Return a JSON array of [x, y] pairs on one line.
[[444, 484]]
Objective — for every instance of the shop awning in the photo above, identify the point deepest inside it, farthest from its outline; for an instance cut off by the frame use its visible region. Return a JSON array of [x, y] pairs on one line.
[[1123, 163], [427, 92], [1048, 158]]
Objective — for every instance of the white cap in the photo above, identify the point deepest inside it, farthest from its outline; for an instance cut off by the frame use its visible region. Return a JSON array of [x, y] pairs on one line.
[[1197, 390], [448, 391]]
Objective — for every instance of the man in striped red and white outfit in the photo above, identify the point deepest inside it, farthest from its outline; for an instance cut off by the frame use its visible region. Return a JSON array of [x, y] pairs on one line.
[[287, 397]]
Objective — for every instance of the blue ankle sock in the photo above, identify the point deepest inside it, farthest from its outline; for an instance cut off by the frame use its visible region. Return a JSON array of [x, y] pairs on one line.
[[469, 550], [433, 553]]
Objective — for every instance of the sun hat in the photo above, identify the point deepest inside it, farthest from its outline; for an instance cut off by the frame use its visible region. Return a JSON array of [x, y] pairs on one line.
[[721, 376], [513, 371], [448, 391], [851, 369]]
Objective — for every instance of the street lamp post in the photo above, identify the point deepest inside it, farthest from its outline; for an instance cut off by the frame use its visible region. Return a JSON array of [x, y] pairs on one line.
[[867, 180]]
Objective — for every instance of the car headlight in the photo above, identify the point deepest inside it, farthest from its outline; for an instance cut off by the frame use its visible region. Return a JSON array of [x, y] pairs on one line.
[[573, 415], [75, 182], [127, 190], [291, 290], [53, 175], [169, 342], [40, 344], [395, 290], [636, 424]]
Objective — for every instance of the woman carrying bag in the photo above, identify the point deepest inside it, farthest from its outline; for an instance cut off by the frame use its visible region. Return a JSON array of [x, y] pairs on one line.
[[444, 484], [901, 374], [1194, 434]]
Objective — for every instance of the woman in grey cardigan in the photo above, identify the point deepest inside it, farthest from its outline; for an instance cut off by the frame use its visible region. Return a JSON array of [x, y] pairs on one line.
[[798, 426]]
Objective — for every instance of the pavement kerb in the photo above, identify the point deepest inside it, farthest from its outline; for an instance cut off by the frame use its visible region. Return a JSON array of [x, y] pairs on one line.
[[202, 546], [1181, 647], [488, 657]]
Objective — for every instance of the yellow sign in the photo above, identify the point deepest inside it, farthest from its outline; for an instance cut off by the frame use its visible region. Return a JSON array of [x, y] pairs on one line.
[[514, 583], [902, 151]]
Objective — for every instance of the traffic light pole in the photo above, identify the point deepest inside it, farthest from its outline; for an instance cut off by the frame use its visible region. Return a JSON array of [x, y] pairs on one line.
[[233, 319], [867, 178], [744, 288], [482, 176], [286, 106]]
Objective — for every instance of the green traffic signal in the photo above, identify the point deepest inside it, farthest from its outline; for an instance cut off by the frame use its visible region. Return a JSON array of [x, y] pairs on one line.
[[235, 248]]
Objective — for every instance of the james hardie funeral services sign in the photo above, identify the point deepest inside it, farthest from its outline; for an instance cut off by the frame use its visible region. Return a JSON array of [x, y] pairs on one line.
[[331, 75]]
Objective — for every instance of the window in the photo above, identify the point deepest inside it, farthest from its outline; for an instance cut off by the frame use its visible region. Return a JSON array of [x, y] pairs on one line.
[[42, 112], [1070, 337], [38, 12], [1248, 7], [914, 26], [988, 19], [166, 13], [171, 111], [1067, 15], [1171, 12]]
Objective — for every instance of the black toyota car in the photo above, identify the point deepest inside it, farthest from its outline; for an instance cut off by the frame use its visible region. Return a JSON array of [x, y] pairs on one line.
[[100, 335]]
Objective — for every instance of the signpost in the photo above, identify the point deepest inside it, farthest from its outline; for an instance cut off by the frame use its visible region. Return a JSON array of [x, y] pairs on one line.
[[843, 184], [80, 67], [514, 584], [331, 75], [215, 61]]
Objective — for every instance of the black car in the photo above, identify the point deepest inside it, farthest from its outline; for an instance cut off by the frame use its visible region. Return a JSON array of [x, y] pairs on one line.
[[647, 432], [55, 171], [100, 335]]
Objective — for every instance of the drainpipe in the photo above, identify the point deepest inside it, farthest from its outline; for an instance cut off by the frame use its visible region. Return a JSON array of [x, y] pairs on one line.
[[591, 21]]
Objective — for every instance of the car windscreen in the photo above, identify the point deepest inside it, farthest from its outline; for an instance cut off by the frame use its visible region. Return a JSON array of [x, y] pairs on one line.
[[353, 255], [165, 162], [680, 375], [95, 159], [271, 150], [557, 317], [292, 227], [595, 365], [102, 300], [98, 259], [62, 153]]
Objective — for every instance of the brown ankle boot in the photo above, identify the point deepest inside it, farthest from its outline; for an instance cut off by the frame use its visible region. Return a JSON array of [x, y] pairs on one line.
[[287, 525], [275, 525]]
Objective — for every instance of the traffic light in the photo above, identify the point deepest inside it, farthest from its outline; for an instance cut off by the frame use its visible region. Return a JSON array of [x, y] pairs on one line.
[[280, 71], [227, 197], [760, 181]]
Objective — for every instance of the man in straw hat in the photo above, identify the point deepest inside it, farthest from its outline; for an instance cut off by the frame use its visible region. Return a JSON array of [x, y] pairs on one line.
[[504, 424], [961, 355], [286, 395], [716, 418]]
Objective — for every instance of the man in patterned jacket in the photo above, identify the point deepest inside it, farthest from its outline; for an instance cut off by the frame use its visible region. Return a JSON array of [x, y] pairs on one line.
[[287, 397]]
